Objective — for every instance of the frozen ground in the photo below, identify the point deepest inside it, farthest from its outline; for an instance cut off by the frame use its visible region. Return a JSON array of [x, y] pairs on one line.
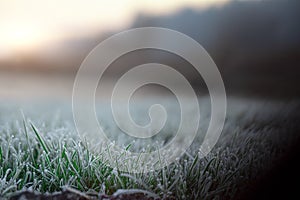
[[43, 153]]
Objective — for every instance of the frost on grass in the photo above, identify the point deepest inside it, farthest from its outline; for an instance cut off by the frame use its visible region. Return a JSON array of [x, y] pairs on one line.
[[42, 152]]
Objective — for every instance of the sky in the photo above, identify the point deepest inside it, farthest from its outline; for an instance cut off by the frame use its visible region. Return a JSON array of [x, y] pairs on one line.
[[26, 25]]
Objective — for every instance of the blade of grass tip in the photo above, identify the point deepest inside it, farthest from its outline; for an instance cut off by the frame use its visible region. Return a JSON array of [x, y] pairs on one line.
[[208, 164], [193, 165], [42, 142], [40, 139], [27, 137], [25, 128], [128, 146]]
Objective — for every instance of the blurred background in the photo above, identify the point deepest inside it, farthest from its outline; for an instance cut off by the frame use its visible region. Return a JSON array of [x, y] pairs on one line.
[[255, 43]]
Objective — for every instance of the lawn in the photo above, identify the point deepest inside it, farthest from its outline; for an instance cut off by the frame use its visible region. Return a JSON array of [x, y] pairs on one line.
[[40, 151]]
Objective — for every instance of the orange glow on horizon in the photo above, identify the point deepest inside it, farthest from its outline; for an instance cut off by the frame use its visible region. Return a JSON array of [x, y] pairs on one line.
[[16, 37], [26, 25]]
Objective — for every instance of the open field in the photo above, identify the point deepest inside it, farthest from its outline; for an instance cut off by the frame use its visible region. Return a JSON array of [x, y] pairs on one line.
[[42, 152]]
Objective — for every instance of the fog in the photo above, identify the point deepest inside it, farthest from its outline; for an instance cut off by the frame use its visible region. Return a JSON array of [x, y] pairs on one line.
[[255, 44]]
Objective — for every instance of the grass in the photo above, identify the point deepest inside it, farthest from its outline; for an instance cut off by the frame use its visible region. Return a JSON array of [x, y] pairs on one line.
[[45, 154]]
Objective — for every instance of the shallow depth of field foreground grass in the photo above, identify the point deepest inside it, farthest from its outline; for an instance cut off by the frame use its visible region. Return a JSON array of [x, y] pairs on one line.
[[43, 153]]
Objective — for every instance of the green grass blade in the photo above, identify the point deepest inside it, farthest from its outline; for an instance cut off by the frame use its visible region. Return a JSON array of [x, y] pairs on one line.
[[40, 139]]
